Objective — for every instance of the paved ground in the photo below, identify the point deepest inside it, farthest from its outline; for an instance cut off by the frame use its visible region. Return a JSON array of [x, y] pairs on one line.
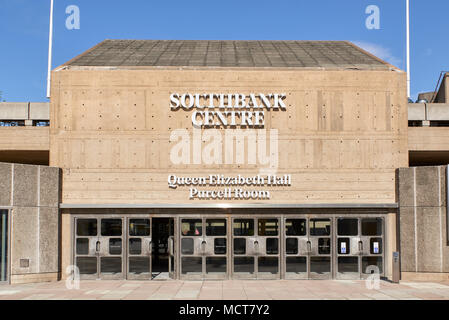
[[227, 290]]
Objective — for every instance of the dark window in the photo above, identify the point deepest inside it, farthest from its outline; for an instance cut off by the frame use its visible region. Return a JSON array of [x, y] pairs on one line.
[[243, 227], [348, 227], [295, 227], [82, 246], [135, 246], [320, 227], [240, 246], [216, 227], [191, 227], [268, 227], [139, 227], [291, 245], [111, 227], [187, 246], [220, 245], [272, 245], [372, 227], [86, 227]]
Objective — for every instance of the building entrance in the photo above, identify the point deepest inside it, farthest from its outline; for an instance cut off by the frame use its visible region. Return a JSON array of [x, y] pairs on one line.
[[124, 247], [201, 247]]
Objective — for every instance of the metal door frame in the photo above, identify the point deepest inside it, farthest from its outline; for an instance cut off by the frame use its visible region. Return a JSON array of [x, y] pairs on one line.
[[173, 249], [146, 244], [256, 254], [306, 254], [331, 255], [361, 275], [364, 239], [7, 246], [200, 244], [100, 239]]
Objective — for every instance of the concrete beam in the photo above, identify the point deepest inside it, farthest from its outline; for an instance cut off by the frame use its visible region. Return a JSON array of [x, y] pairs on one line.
[[13, 110], [416, 111], [39, 111]]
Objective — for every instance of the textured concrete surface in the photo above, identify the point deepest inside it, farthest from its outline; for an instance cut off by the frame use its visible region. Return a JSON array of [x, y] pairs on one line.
[[5, 184], [34, 220], [422, 216], [227, 290]]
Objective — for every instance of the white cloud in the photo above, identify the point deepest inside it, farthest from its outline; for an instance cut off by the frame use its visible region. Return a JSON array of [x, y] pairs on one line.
[[380, 52]]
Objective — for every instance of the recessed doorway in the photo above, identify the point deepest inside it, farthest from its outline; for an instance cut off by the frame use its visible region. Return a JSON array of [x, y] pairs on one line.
[[160, 253]]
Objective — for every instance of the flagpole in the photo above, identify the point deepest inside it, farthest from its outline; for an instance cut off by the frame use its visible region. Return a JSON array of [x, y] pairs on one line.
[[408, 48], [50, 47]]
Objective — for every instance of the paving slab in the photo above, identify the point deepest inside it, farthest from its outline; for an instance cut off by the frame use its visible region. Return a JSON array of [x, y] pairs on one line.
[[228, 290]]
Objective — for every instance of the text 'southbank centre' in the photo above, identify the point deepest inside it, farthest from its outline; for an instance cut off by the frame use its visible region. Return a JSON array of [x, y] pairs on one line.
[[224, 160]]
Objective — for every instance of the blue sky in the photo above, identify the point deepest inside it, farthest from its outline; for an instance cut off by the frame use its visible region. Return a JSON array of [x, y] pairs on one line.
[[24, 31]]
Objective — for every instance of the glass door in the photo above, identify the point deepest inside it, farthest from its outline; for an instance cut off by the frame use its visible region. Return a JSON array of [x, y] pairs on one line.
[[360, 247], [192, 248], [139, 249], [244, 248], [99, 248], [111, 248], [296, 248], [3, 245], [372, 246], [256, 248], [320, 248], [87, 247], [215, 244], [348, 248], [204, 248]]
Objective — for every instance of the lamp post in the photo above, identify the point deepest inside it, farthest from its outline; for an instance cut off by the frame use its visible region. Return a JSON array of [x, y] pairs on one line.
[[408, 47], [50, 45]]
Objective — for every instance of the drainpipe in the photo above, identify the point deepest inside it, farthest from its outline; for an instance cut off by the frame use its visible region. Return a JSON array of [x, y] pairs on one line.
[[447, 205]]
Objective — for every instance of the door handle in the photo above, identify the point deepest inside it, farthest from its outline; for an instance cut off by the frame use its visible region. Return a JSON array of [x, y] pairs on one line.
[[150, 246], [309, 247], [97, 246], [360, 247], [256, 246], [203, 246]]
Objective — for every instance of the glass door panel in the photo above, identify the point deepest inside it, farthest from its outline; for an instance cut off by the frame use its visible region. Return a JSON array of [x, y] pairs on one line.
[[244, 248], [192, 248], [296, 248], [3, 245], [372, 246], [320, 244], [348, 251], [256, 248], [139, 249], [111, 248], [87, 247], [216, 248]]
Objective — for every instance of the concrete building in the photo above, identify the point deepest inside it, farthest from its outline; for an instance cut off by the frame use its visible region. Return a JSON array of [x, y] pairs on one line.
[[224, 160]]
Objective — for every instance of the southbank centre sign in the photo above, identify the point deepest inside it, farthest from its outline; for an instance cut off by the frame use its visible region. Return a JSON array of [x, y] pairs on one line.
[[234, 115], [233, 110]]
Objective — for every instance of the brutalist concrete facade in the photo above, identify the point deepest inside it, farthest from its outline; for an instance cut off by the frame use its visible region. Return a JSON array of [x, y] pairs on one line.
[[423, 238], [31, 194]]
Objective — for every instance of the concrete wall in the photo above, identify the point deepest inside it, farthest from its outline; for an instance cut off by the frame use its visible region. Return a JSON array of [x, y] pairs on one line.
[[342, 137], [422, 217], [24, 111], [32, 193], [428, 111]]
